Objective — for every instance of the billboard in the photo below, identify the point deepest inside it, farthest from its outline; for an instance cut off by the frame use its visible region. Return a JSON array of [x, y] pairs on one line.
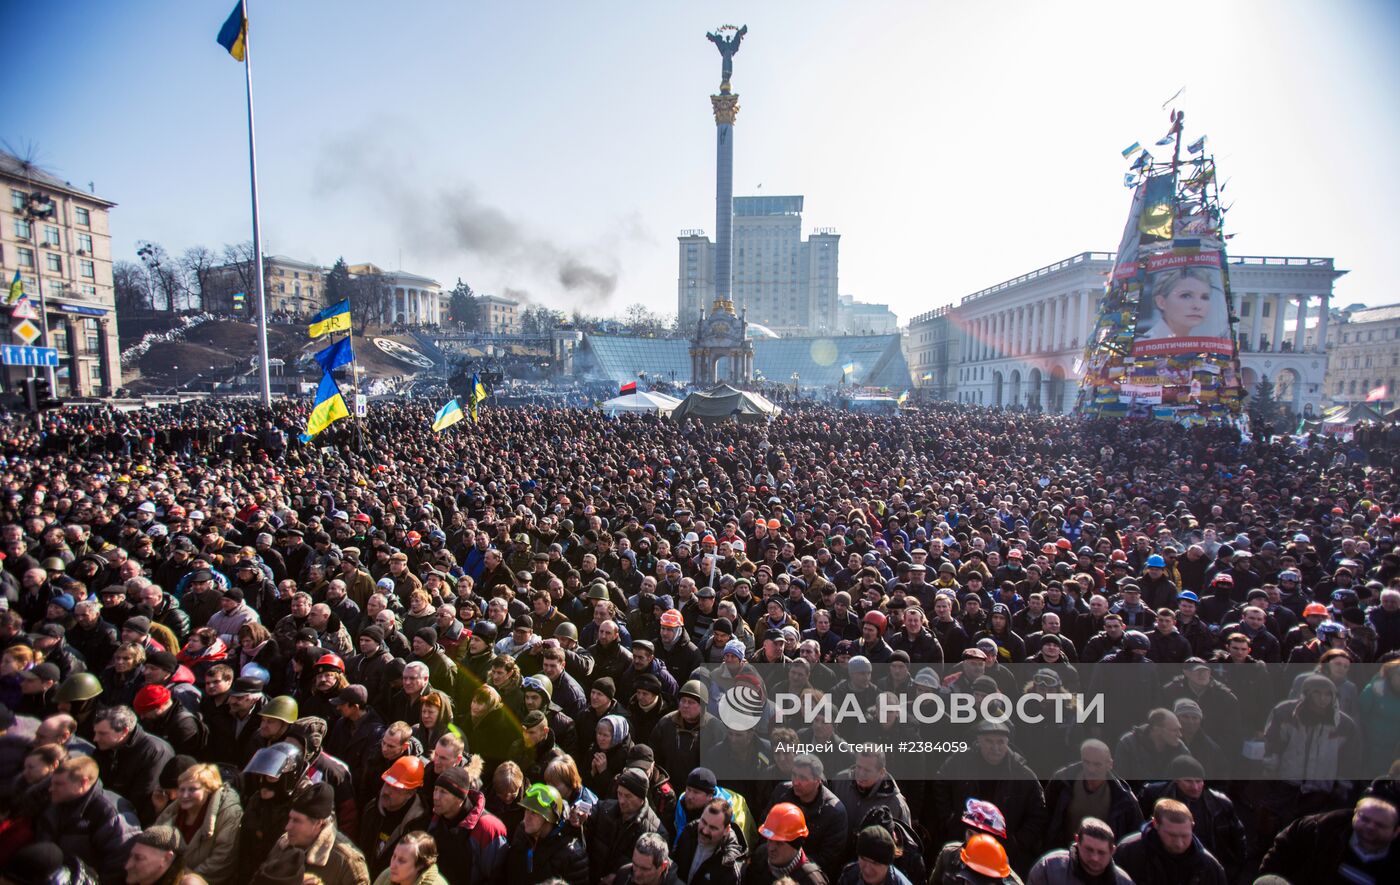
[[1182, 310]]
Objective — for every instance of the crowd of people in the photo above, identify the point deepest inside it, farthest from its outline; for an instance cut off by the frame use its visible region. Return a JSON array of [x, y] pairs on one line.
[[501, 653]]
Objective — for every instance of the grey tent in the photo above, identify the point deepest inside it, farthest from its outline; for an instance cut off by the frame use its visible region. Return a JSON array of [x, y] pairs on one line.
[[724, 402]]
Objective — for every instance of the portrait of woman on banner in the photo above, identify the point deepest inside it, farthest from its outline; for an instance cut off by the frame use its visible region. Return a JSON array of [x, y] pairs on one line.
[[1183, 311]]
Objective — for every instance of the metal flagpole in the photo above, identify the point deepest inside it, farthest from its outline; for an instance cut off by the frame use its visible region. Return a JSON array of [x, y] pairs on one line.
[[264, 372]]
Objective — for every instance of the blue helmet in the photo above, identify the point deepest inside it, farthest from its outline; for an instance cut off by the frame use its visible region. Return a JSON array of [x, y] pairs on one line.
[[1155, 561]]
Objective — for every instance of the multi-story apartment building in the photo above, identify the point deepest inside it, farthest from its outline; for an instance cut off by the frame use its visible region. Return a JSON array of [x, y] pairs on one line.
[[58, 238]]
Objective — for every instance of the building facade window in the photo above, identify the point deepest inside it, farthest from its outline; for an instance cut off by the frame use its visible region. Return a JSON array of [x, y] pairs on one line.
[[26, 257], [17, 200], [87, 270], [82, 216], [54, 263], [85, 243], [23, 230], [51, 236]]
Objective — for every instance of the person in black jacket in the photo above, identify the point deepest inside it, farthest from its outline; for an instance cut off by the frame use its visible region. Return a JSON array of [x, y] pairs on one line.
[[615, 825], [1167, 852], [162, 717], [1093, 772], [824, 813], [1215, 821], [715, 831], [1347, 845], [129, 759], [545, 845], [87, 821]]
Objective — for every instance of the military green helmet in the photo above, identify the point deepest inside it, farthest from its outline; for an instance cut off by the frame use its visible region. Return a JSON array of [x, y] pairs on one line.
[[543, 800], [597, 590], [79, 687], [282, 708], [566, 630]]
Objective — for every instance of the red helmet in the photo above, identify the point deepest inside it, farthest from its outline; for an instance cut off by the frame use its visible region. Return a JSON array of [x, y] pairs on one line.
[[876, 618], [329, 661]]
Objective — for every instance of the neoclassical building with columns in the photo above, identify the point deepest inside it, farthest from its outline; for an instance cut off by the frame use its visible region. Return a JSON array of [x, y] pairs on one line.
[[1019, 344], [413, 300]]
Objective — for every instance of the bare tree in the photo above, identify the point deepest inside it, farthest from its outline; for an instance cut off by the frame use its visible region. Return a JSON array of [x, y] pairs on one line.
[[166, 275], [131, 287], [370, 300], [198, 263]]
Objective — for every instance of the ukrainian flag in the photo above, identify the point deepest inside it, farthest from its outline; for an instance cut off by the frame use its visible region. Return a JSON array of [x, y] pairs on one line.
[[233, 36], [478, 395], [16, 290], [848, 369], [903, 398], [329, 408], [335, 318], [448, 415]]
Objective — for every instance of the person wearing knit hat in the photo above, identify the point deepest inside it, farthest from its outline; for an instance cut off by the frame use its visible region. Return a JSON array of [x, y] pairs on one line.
[[155, 856], [311, 833], [875, 854]]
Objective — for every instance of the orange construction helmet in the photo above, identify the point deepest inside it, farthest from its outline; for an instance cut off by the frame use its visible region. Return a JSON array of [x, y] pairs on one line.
[[785, 822], [984, 854], [406, 773]]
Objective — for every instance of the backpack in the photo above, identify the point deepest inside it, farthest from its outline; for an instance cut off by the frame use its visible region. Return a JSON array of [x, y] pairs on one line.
[[910, 849]]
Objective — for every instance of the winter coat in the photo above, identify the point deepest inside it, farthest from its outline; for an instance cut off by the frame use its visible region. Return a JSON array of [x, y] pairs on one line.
[[1143, 857], [1124, 816], [1307, 750], [377, 843], [1216, 824], [133, 768], [1015, 791], [96, 828], [213, 851], [720, 868], [1060, 868], [558, 854], [332, 857], [431, 876], [1138, 759], [885, 794], [1316, 848], [471, 848], [677, 745], [826, 824], [757, 871], [610, 838], [1380, 720]]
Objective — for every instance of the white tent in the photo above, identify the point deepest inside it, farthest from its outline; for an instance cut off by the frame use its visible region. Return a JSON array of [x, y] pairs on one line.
[[646, 401]]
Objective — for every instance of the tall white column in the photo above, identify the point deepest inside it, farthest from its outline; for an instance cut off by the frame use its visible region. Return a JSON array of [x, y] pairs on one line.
[[1322, 309], [1257, 321], [1083, 334], [1051, 331], [1300, 333]]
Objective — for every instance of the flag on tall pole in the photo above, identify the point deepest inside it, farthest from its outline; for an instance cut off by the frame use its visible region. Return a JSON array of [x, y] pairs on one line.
[[16, 290], [335, 318], [233, 37], [339, 354], [629, 387]]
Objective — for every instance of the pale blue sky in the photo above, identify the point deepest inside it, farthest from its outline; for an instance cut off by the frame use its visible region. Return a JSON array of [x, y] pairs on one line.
[[953, 144]]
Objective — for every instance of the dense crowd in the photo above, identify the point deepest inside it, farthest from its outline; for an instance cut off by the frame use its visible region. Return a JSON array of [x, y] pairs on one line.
[[499, 654]]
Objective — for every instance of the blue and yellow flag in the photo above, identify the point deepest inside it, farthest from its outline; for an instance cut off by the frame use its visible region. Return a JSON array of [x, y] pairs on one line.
[[329, 408], [233, 36], [335, 318], [448, 415], [903, 398], [478, 395], [335, 356], [848, 369], [16, 290]]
